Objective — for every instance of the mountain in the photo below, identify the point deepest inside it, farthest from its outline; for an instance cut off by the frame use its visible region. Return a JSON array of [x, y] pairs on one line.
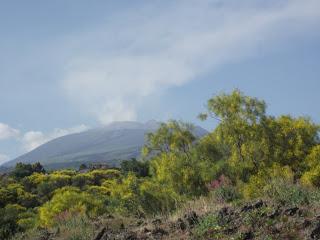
[[110, 144]]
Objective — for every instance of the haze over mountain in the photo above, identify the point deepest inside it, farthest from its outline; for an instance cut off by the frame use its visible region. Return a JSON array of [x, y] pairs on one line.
[[110, 144]]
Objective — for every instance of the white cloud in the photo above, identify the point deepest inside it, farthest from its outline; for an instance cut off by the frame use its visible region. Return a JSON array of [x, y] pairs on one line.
[[3, 158], [34, 139], [7, 132], [142, 52]]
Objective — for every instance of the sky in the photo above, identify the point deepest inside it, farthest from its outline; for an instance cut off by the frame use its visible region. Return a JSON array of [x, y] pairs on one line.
[[68, 66]]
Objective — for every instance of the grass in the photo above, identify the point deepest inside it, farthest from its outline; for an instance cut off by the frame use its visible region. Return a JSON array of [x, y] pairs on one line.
[[232, 224]]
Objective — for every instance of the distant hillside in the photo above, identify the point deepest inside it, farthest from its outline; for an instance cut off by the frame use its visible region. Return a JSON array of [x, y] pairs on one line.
[[4, 170], [117, 141]]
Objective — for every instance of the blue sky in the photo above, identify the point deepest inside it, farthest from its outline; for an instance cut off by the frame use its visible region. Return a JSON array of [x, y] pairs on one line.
[[66, 66]]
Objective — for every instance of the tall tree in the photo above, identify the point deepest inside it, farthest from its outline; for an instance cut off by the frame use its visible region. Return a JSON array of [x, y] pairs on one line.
[[239, 128], [253, 140], [173, 136]]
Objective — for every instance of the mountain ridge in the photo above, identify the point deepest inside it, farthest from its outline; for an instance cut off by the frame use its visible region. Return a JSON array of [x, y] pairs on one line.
[[108, 144]]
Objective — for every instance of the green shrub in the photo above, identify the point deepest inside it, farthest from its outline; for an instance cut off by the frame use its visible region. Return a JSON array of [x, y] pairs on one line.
[[291, 194], [9, 217], [266, 178], [311, 177], [76, 228], [124, 194], [155, 198], [208, 228], [141, 169], [67, 203], [226, 194], [22, 170]]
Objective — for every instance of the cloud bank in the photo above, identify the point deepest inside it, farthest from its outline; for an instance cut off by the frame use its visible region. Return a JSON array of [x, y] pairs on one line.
[[4, 158], [141, 52], [33, 139], [7, 132]]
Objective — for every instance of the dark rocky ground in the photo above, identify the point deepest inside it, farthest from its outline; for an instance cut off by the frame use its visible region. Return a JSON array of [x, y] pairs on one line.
[[257, 220], [261, 220]]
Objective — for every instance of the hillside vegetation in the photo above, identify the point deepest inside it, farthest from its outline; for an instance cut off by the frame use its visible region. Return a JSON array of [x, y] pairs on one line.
[[254, 176], [109, 144]]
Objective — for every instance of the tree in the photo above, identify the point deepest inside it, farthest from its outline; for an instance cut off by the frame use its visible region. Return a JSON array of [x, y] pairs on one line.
[[178, 161], [83, 167], [82, 179], [23, 170], [180, 172], [293, 140], [155, 198], [251, 140], [239, 129], [99, 175], [266, 179], [9, 217], [173, 136], [68, 202], [141, 169], [311, 177], [15, 193], [124, 194], [37, 168]]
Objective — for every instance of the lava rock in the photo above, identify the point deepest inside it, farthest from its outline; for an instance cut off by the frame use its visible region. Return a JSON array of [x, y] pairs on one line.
[[156, 222], [191, 218], [45, 234], [274, 214], [258, 204], [247, 236], [224, 215], [250, 207], [306, 223], [100, 234], [315, 234], [291, 211], [159, 232], [131, 236], [181, 225]]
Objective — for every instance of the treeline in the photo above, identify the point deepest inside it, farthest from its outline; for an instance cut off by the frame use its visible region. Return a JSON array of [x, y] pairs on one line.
[[248, 155]]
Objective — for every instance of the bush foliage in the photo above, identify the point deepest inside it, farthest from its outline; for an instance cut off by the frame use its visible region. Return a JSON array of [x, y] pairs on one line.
[[248, 155]]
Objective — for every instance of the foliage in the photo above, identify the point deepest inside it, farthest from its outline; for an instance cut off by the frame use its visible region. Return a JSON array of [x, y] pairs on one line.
[[156, 198], [265, 179], [179, 172], [313, 159], [99, 175], [226, 194], [173, 136], [83, 179], [68, 202], [294, 139], [223, 190], [239, 129], [248, 155], [140, 168], [291, 194], [23, 170], [83, 167], [75, 228], [207, 228], [125, 194], [9, 217], [251, 140], [312, 176]]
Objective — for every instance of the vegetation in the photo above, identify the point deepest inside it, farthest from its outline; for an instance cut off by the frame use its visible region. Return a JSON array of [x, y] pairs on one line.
[[249, 155]]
